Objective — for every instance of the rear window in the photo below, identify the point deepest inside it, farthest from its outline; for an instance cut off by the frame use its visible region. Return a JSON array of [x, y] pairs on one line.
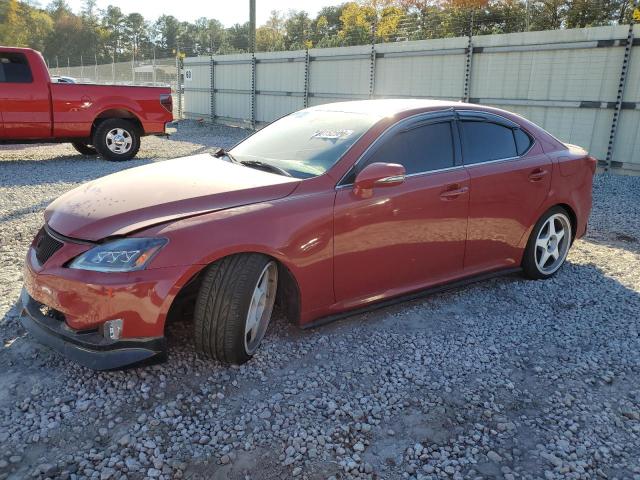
[[14, 68], [485, 141], [523, 141]]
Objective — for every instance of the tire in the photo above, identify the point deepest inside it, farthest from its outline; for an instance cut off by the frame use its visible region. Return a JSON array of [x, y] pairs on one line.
[[225, 307], [84, 149], [117, 139], [540, 260]]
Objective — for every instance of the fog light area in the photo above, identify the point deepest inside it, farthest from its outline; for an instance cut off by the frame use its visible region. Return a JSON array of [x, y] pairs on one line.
[[112, 329]]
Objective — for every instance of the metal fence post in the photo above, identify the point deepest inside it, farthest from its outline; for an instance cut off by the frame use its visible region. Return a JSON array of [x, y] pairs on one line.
[[620, 97], [253, 90], [179, 86], [306, 78], [372, 61], [212, 86], [372, 71], [153, 68], [467, 69]]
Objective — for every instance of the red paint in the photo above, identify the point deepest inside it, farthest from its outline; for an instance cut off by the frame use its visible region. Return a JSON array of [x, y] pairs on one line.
[[42, 110], [346, 247]]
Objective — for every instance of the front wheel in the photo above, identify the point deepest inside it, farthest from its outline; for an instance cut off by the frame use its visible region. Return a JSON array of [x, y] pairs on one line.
[[548, 245], [84, 149], [117, 139], [234, 307]]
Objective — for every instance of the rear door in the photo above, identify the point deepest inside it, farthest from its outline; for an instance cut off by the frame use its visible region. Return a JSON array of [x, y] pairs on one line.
[[24, 101], [510, 178], [410, 235]]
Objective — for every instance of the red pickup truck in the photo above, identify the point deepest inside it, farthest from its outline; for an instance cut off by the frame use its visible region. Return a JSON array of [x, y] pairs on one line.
[[96, 119]]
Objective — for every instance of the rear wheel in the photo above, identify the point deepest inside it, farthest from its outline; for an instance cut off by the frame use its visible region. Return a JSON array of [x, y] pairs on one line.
[[84, 149], [117, 139], [234, 307], [548, 245]]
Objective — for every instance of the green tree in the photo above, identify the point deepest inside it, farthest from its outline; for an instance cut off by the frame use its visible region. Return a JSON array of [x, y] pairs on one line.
[[12, 27], [269, 40], [114, 23], [297, 30], [238, 38], [166, 32]]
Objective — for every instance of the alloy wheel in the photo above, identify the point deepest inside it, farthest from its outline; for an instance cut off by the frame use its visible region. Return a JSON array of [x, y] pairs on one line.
[[119, 141], [261, 307], [552, 243]]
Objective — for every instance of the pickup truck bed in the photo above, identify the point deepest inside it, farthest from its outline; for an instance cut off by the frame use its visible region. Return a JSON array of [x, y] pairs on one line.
[[104, 119]]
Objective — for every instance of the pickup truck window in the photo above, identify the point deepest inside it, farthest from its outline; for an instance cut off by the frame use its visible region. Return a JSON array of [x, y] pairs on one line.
[[14, 68]]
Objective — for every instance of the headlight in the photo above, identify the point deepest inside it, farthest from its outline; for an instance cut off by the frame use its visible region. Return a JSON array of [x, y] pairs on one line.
[[126, 255]]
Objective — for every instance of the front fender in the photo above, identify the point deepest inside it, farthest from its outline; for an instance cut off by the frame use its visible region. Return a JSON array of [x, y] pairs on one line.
[[298, 232]]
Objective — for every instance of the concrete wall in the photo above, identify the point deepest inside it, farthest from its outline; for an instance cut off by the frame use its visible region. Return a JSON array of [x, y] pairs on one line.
[[567, 81]]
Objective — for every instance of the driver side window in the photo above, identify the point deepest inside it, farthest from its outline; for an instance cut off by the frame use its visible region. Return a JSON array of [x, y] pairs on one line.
[[419, 149]]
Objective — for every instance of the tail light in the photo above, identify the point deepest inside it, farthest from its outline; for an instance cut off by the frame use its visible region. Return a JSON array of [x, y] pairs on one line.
[[166, 101], [593, 163]]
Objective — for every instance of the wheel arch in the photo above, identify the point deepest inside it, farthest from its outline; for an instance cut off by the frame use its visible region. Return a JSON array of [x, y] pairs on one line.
[[120, 112], [544, 209], [572, 217], [287, 296]]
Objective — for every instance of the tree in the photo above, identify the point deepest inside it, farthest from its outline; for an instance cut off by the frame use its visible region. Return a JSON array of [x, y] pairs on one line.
[[40, 26], [269, 40], [166, 31], [547, 14], [238, 38], [298, 30], [276, 22], [588, 13], [136, 36], [113, 22], [357, 21], [58, 9], [13, 31]]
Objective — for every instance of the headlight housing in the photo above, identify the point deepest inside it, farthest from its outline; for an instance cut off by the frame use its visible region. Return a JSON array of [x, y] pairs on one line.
[[125, 255]]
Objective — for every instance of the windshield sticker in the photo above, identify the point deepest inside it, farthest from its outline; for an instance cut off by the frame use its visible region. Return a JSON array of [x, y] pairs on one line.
[[332, 134]]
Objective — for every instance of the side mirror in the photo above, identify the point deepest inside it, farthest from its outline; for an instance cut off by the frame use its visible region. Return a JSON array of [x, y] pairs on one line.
[[378, 175]]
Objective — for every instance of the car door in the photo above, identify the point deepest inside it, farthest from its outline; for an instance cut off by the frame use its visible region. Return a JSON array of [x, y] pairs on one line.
[[510, 177], [24, 103], [406, 236]]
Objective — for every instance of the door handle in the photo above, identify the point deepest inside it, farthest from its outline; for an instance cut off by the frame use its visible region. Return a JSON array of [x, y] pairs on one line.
[[538, 174], [453, 192]]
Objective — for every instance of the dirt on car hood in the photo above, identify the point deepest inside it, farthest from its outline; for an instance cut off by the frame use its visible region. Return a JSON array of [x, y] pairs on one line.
[[140, 197]]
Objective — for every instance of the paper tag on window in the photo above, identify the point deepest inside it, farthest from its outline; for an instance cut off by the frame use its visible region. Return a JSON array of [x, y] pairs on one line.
[[332, 134]]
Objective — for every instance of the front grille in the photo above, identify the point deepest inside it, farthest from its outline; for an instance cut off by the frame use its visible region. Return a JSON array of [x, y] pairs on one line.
[[45, 246]]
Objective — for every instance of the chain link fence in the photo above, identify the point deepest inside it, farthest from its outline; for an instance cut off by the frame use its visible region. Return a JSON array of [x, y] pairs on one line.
[[159, 72]]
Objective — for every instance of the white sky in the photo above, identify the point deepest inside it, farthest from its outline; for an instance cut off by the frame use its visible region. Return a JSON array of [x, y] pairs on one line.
[[228, 12]]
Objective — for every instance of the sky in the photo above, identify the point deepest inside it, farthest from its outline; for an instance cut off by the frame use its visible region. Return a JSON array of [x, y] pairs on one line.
[[228, 12]]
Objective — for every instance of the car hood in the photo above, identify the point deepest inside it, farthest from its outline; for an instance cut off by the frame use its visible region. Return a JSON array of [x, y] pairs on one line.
[[140, 197]]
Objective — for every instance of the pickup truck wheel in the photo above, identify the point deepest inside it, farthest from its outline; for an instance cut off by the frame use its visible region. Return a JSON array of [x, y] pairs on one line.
[[234, 307], [117, 139], [84, 149]]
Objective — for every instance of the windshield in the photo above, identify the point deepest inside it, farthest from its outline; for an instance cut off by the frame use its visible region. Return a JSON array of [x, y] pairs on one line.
[[306, 143]]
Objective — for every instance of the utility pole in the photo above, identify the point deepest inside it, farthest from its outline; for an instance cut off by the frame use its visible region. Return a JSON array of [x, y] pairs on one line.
[[252, 26]]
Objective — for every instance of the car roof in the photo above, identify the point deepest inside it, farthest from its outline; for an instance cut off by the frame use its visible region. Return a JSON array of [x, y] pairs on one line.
[[388, 106], [16, 49]]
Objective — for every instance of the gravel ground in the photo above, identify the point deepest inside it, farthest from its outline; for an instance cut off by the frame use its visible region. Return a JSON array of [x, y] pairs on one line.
[[505, 379]]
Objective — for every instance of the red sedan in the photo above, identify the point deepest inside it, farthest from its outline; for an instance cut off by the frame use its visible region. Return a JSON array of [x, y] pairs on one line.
[[327, 211]]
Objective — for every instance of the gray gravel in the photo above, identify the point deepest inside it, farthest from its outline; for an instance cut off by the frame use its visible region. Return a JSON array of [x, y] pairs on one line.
[[505, 379]]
